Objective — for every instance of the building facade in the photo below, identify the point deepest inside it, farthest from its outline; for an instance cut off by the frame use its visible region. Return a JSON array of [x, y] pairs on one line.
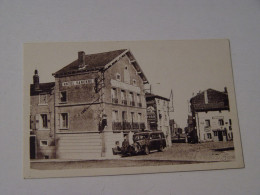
[[98, 99], [158, 115], [212, 120], [42, 134]]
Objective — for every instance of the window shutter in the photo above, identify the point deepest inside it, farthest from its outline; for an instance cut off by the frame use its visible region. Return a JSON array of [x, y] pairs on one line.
[[49, 121], [58, 121], [37, 117], [32, 122]]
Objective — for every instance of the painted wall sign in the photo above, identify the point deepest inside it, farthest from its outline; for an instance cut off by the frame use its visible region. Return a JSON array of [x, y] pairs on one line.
[[218, 117], [80, 82]]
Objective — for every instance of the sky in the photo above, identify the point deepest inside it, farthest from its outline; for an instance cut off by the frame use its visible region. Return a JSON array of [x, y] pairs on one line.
[[186, 67]]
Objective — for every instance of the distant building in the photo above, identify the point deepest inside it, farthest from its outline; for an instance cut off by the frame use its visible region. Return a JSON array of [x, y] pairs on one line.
[[211, 116], [158, 114], [95, 101], [189, 124]]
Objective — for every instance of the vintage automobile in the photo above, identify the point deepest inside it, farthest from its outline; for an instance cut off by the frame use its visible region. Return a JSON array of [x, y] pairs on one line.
[[144, 142]]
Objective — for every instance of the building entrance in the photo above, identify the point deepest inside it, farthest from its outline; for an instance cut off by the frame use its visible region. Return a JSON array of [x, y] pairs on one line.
[[220, 136], [32, 147]]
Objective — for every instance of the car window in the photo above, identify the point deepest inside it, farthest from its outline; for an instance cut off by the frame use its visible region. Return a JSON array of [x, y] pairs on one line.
[[155, 136], [140, 137]]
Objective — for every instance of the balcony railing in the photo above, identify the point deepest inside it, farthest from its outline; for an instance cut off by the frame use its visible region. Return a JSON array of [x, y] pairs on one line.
[[117, 126], [135, 126], [114, 100], [132, 103], [127, 126], [142, 125], [124, 102]]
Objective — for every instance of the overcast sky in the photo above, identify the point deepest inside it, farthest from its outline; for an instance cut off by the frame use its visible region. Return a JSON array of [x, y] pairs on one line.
[[186, 67]]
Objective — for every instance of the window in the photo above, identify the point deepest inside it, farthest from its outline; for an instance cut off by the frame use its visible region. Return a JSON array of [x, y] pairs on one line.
[[131, 98], [114, 116], [126, 75], [43, 121], [160, 115], [215, 133], [118, 77], [64, 122], [138, 99], [114, 96], [230, 122], [63, 96], [209, 136], [43, 143], [123, 97], [43, 99], [139, 117], [113, 92], [134, 82], [221, 122], [207, 123], [132, 117]]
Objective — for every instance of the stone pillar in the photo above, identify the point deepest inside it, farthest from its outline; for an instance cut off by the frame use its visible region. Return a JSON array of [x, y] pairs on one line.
[[130, 136], [109, 143]]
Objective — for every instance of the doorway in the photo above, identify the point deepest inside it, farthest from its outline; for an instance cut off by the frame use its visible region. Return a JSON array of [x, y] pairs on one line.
[[220, 136], [32, 147]]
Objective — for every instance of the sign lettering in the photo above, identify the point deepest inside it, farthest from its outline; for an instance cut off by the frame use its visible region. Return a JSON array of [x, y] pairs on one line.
[[80, 82]]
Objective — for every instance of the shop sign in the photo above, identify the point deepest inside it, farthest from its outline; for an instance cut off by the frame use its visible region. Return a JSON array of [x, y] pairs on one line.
[[80, 82]]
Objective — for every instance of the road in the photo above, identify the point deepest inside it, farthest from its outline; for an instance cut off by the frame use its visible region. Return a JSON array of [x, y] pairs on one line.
[[179, 153]]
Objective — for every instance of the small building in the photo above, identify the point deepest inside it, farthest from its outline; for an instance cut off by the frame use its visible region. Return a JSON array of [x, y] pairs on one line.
[[94, 102], [211, 116], [158, 114], [42, 132]]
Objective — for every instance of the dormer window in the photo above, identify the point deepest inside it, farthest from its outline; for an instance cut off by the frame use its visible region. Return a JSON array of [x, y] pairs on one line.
[[118, 77]]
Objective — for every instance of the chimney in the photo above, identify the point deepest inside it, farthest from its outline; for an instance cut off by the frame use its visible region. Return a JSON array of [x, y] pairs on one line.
[[81, 59], [36, 80], [225, 89], [206, 97]]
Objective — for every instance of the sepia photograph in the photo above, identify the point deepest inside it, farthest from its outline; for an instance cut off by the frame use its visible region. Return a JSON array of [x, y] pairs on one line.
[[129, 107]]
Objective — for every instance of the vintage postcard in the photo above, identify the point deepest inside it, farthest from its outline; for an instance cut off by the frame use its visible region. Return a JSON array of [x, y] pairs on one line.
[[129, 107]]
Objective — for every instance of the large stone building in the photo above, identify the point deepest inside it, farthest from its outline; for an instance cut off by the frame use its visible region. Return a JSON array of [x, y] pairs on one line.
[[212, 120], [158, 114], [98, 99]]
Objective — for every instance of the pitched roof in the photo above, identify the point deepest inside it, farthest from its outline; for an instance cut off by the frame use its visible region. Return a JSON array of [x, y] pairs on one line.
[[100, 61], [150, 96], [217, 100], [43, 88], [93, 61]]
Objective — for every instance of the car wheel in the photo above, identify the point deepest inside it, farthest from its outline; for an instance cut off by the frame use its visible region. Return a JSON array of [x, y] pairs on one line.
[[146, 150]]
